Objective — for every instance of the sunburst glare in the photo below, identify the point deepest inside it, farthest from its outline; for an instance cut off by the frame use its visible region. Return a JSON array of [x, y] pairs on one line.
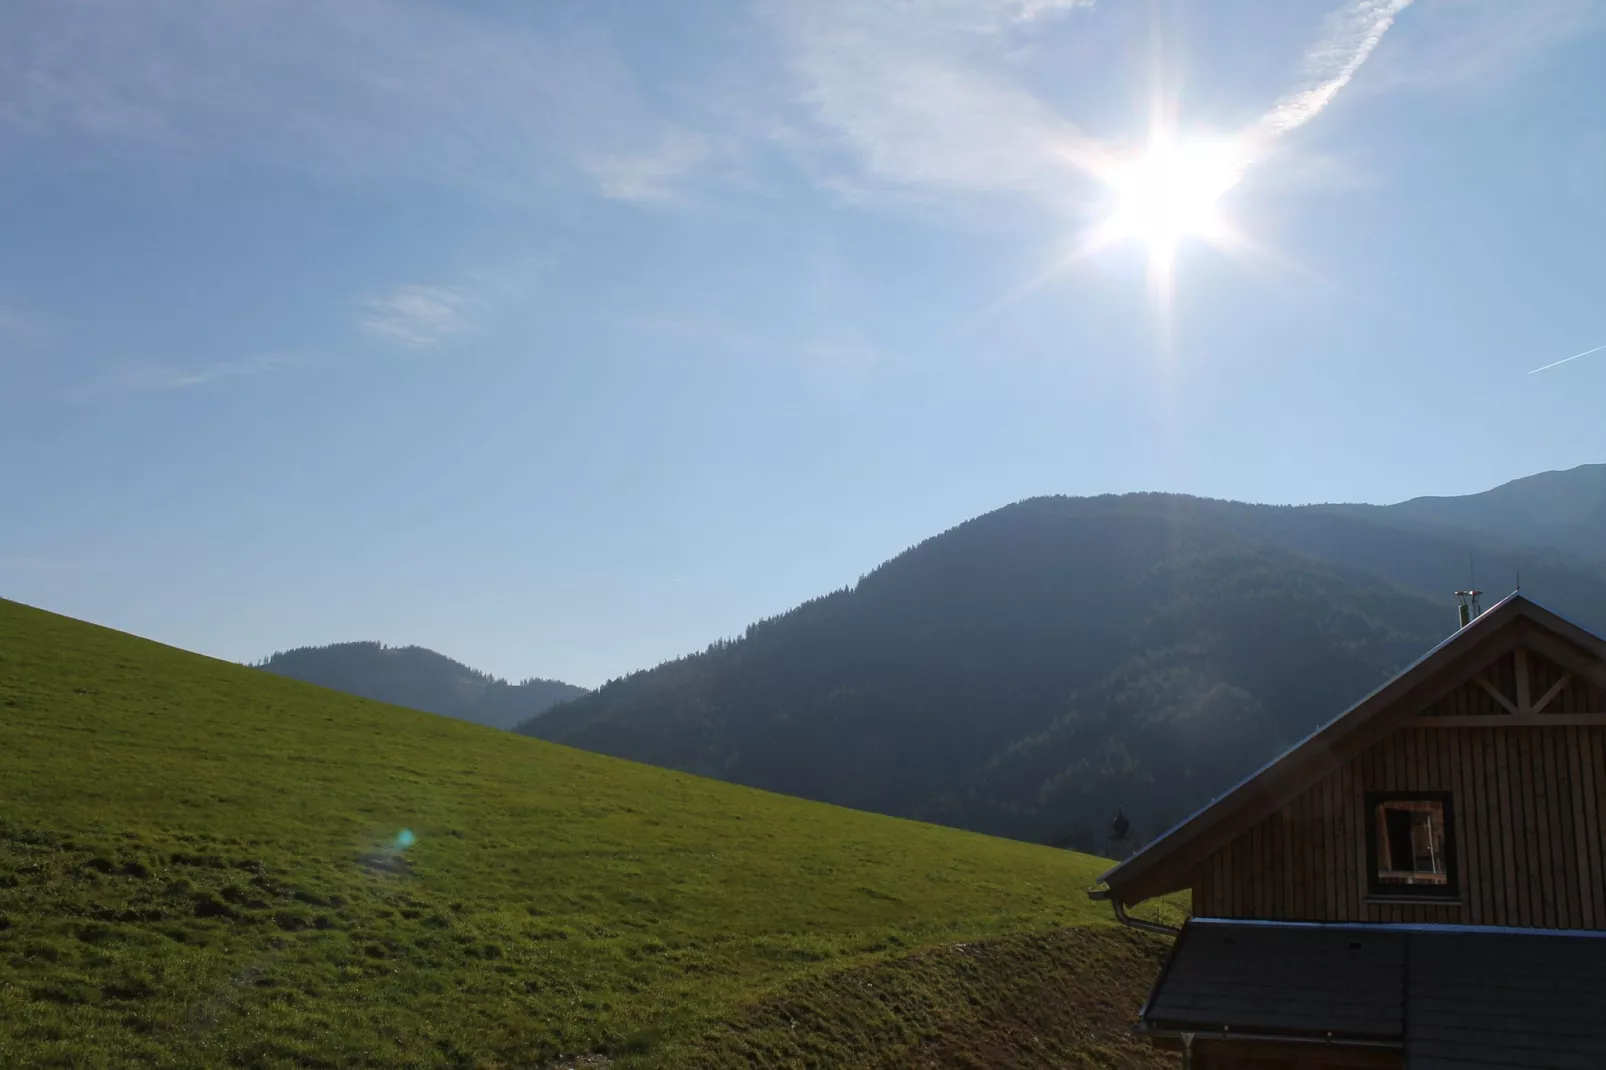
[[1171, 192]]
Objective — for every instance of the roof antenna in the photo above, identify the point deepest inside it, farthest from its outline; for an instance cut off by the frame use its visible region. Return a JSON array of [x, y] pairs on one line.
[[1467, 600]]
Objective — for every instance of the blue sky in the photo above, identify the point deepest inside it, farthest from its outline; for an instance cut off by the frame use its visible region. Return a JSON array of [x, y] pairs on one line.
[[565, 338]]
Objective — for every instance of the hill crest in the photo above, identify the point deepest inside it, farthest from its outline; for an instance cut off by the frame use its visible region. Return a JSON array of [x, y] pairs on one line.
[[422, 679]]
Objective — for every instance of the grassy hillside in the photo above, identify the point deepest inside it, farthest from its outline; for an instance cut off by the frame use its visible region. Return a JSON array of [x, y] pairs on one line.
[[203, 864]]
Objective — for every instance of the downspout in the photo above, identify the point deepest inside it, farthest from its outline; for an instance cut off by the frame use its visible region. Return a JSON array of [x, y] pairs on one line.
[[1128, 920]]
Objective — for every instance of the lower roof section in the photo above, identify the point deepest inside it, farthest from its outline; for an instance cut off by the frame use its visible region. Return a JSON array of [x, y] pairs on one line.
[[1296, 981], [1446, 995]]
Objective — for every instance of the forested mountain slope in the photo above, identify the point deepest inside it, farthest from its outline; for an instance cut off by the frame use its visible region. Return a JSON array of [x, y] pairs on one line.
[[421, 679], [1032, 669], [1561, 511]]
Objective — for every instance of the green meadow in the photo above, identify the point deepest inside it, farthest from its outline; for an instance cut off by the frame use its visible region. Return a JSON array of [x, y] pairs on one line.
[[202, 864]]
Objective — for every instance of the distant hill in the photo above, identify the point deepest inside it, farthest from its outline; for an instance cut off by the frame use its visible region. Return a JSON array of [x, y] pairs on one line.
[[1028, 671], [206, 865], [1563, 511], [422, 680]]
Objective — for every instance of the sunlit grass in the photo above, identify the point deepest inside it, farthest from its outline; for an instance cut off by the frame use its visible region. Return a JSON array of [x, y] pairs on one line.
[[204, 864]]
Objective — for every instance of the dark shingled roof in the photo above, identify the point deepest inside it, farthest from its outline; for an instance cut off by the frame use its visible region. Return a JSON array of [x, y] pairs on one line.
[[1279, 979], [1467, 997], [1506, 999]]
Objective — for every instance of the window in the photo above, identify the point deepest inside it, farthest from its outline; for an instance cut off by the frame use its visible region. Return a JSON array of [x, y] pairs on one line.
[[1411, 844]]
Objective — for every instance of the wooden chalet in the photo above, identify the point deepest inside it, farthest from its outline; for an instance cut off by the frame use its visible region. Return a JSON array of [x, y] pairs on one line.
[[1420, 884]]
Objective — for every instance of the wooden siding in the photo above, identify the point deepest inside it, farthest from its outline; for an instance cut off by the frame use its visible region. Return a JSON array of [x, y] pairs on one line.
[[1472, 699], [1529, 817]]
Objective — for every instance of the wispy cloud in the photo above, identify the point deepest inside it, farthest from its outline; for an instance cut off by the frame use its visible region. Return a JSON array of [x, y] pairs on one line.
[[922, 97], [418, 317], [180, 377], [1351, 34], [1568, 360], [430, 315], [364, 90], [926, 97], [652, 176]]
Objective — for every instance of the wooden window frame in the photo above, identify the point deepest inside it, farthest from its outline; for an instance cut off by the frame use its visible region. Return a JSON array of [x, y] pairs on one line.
[[1376, 890]]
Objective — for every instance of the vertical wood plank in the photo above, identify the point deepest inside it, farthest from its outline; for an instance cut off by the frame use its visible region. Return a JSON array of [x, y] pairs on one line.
[[1283, 856], [1240, 879], [1557, 885], [1316, 903], [1520, 673], [1268, 862], [1392, 776], [1469, 857], [1229, 880], [1580, 840], [1346, 855], [1480, 791], [1289, 858], [1537, 854], [1295, 859], [1366, 780], [1522, 829], [1594, 819], [1426, 767], [1257, 888], [1509, 838], [1478, 788], [1218, 866], [1301, 831], [1545, 879], [1358, 855], [1570, 914], [1595, 778], [1331, 852], [1544, 810]]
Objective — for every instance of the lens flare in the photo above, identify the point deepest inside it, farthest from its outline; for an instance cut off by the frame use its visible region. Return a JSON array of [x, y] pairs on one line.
[[405, 839]]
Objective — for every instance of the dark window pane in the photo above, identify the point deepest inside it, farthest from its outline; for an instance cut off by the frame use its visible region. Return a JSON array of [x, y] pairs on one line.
[[1411, 842], [1398, 823]]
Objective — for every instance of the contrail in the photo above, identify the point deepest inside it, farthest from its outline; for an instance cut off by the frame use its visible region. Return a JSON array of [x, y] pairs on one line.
[[1352, 34], [1574, 357]]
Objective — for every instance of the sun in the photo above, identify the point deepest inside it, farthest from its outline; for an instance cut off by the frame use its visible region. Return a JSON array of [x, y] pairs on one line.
[[1171, 192]]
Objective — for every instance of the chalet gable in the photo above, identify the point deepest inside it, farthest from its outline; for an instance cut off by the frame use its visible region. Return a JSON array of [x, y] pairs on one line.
[[1517, 666]]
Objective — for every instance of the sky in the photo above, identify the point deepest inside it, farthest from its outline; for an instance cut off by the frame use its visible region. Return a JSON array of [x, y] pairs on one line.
[[565, 338]]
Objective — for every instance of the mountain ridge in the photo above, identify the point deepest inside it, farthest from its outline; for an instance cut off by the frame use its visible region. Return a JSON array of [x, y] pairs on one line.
[[953, 682], [422, 679], [1557, 511]]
